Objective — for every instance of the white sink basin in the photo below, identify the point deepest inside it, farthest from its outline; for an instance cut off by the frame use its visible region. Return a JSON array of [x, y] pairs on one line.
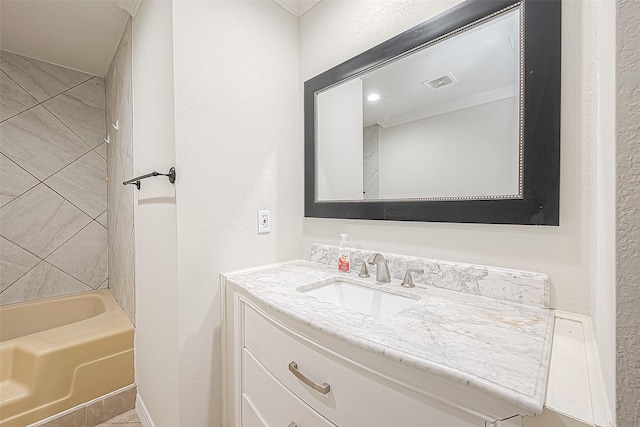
[[374, 302]]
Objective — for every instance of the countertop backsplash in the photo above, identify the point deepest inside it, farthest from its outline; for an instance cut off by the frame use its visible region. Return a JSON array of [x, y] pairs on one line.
[[517, 286]]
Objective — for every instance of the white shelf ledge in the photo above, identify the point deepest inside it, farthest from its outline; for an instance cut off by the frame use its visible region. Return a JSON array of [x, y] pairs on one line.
[[575, 393]]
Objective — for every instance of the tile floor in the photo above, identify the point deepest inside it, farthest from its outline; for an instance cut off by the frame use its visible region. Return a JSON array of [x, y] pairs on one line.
[[128, 419]]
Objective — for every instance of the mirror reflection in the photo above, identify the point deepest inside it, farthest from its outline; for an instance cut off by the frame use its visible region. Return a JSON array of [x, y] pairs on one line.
[[442, 122]]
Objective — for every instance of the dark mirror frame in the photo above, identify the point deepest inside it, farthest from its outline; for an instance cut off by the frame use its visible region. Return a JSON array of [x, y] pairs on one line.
[[541, 162]]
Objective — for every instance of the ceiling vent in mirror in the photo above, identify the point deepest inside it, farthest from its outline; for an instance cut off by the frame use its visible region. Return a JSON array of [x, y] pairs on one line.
[[440, 82]]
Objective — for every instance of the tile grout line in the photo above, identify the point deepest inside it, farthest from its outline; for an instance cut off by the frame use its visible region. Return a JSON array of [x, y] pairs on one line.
[[69, 201], [40, 102], [79, 84], [69, 274], [49, 254], [25, 91], [26, 250], [66, 125], [63, 167], [53, 266], [58, 170], [74, 235], [20, 166], [15, 281], [17, 114], [25, 191], [19, 85], [42, 181], [61, 244], [26, 272], [96, 150], [51, 112]]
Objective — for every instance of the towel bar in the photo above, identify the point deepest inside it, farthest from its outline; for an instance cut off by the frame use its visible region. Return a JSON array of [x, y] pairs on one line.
[[136, 181]]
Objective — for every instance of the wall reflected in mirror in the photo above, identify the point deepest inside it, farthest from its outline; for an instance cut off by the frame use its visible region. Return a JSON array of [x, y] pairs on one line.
[[441, 122]]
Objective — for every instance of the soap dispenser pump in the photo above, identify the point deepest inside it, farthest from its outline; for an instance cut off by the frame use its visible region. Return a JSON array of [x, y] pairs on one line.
[[344, 255]]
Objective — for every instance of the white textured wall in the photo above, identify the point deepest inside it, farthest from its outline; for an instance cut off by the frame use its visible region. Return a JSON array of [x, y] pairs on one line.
[[237, 150], [334, 31], [628, 211], [157, 358]]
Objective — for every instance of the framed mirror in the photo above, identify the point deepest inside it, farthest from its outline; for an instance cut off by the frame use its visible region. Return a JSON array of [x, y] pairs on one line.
[[454, 120]]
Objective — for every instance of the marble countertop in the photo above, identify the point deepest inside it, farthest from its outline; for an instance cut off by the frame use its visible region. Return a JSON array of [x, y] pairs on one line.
[[497, 346]]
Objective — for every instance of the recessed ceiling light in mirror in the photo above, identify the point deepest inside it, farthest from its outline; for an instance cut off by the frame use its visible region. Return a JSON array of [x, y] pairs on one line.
[[373, 97]]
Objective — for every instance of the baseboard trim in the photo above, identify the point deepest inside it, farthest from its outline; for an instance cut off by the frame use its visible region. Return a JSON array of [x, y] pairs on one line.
[[143, 414]]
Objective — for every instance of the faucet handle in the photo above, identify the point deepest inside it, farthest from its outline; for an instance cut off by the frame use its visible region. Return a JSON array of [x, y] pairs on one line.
[[364, 272], [407, 282]]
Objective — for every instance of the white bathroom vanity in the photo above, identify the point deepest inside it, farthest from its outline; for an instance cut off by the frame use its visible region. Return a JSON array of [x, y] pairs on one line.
[[446, 357]]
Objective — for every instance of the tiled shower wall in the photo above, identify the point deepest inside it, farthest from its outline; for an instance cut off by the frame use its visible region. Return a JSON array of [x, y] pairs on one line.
[[53, 194], [370, 162], [120, 168]]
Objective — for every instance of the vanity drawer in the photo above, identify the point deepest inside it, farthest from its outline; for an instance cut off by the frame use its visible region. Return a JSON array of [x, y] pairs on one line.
[[357, 396], [266, 402], [249, 416]]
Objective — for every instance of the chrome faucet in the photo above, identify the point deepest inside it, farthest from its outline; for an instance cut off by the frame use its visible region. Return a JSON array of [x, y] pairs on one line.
[[382, 269]]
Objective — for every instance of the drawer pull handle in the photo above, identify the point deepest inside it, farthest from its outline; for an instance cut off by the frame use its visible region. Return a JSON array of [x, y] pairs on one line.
[[292, 424], [323, 388]]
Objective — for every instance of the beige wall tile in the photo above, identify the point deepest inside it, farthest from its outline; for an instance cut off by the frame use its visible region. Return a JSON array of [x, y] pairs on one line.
[[126, 291], [102, 150], [120, 168], [84, 256], [37, 146], [112, 91], [102, 219], [13, 99], [43, 281], [14, 263], [41, 221], [13, 180], [82, 109], [83, 183], [40, 79], [39, 142], [123, 61], [99, 81], [124, 137]]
